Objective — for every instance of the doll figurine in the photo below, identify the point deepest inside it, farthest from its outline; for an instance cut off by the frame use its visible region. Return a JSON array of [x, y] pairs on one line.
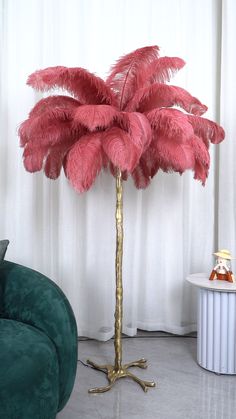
[[222, 270]]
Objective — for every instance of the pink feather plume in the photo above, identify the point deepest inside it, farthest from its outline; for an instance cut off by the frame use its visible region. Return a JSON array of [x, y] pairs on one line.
[[171, 123], [160, 70], [53, 103], [54, 160], [95, 116], [141, 180], [208, 130], [128, 121], [82, 84], [202, 159], [124, 74], [49, 120], [33, 157], [84, 162], [172, 155], [120, 149], [162, 95], [138, 127]]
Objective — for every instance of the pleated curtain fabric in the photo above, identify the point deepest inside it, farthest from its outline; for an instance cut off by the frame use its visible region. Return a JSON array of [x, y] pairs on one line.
[[172, 228], [226, 204]]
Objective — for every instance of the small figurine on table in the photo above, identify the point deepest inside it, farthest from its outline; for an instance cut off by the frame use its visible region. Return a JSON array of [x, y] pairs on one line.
[[222, 269]]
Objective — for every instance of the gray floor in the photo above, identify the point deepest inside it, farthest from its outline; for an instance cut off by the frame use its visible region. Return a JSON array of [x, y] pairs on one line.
[[184, 390]]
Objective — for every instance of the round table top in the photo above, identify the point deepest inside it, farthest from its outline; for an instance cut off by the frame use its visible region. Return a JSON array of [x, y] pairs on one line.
[[201, 280]]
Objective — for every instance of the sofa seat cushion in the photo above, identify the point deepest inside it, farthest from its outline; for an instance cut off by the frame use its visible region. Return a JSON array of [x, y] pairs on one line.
[[29, 372]]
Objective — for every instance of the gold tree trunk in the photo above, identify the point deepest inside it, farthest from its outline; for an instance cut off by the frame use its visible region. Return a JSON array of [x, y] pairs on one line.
[[116, 371], [119, 285]]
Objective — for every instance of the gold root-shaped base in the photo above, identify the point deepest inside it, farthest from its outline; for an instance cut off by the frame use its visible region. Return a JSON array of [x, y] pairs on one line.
[[114, 374]]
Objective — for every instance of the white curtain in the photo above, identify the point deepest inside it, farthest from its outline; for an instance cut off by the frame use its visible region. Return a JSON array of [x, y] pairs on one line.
[[226, 215], [172, 228]]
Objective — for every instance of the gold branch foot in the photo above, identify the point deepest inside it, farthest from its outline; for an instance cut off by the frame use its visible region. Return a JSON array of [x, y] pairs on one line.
[[141, 363], [113, 374]]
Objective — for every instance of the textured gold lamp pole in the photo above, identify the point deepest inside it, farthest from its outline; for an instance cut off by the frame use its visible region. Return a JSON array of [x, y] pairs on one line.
[[119, 285], [116, 371]]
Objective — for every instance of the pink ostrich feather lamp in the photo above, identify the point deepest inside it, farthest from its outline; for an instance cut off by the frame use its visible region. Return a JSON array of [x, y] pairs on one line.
[[132, 124]]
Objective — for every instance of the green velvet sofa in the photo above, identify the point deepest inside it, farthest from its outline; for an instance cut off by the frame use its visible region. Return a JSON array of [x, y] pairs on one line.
[[38, 345]]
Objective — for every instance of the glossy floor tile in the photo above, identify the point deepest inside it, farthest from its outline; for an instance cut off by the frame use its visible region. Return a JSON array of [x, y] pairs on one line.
[[184, 390]]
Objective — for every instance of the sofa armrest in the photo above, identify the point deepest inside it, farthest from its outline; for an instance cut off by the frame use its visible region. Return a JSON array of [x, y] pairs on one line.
[[30, 297]]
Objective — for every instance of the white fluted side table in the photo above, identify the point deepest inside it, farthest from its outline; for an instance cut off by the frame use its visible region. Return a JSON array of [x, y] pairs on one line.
[[216, 342]]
